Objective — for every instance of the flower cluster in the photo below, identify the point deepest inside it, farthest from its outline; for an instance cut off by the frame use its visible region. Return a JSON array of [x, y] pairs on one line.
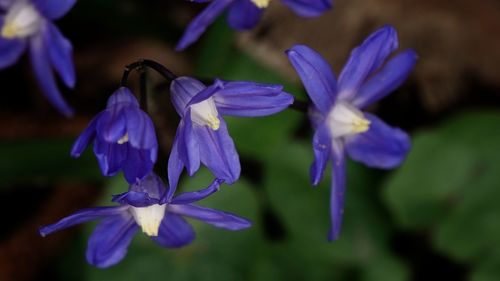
[[124, 139]]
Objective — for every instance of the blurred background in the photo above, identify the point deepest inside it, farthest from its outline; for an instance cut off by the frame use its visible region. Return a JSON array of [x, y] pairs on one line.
[[437, 217]]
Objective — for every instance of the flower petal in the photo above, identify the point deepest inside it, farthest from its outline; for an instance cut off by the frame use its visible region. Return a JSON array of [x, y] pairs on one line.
[[109, 242], [211, 216], [337, 190], [81, 216], [182, 90], [365, 59], [122, 97], [140, 129], [175, 166], [45, 77], [201, 22], [244, 15], [135, 198], [54, 9], [250, 99], [381, 146], [316, 75], [110, 156], [60, 53], [111, 126], [218, 153], [322, 151], [389, 78], [190, 197], [10, 50], [174, 232], [137, 165], [86, 136], [308, 8]]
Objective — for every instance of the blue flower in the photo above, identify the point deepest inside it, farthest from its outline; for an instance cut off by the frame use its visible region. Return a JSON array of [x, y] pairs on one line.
[[340, 124], [124, 138], [244, 15], [202, 134], [150, 206], [26, 24]]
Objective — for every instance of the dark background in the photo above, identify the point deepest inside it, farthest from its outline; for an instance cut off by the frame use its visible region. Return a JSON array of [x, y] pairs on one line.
[[437, 217]]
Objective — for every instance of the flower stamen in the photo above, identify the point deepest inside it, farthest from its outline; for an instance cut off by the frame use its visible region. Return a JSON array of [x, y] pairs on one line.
[[149, 218], [22, 20], [261, 3], [123, 139], [205, 114], [345, 120]]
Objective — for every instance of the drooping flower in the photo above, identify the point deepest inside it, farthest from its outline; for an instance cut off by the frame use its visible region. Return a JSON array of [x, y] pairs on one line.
[[150, 206], [27, 24], [202, 135], [124, 138], [244, 15], [340, 124]]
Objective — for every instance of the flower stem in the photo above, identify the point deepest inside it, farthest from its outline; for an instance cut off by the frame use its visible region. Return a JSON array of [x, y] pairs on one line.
[[142, 63]]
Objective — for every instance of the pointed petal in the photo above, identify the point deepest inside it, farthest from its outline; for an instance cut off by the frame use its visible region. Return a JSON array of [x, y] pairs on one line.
[[60, 54], [316, 75], [182, 90], [54, 9], [381, 146], [109, 242], [218, 153], [322, 151], [45, 77], [365, 59], [137, 165], [135, 198], [110, 156], [388, 79], [174, 232], [250, 99], [337, 190], [211, 216], [140, 129], [189, 145], [83, 140], [190, 197], [196, 28], [10, 50], [152, 185], [244, 15], [81, 216], [308, 8], [175, 166]]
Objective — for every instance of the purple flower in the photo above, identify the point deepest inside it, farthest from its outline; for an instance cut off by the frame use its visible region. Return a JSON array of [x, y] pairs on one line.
[[244, 15], [150, 206], [202, 134], [26, 24], [340, 124], [124, 138]]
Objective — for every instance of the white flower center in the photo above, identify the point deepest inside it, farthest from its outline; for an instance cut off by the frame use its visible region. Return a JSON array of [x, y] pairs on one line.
[[149, 218], [22, 20], [344, 119], [205, 114], [261, 3], [123, 139]]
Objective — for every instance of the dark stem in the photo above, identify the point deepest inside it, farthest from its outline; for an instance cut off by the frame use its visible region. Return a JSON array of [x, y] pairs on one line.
[[301, 106], [140, 64], [144, 89]]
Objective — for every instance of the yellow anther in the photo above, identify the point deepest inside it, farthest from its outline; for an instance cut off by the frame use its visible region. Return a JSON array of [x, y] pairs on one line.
[[213, 122], [9, 31], [261, 3], [361, 125], [123, 139]]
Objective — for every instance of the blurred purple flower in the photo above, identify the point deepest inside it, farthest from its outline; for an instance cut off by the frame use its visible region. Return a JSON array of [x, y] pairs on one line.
[[202, 135], [124, 138], [340, 124], [27, 24], [244, 15], [150, 206]]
